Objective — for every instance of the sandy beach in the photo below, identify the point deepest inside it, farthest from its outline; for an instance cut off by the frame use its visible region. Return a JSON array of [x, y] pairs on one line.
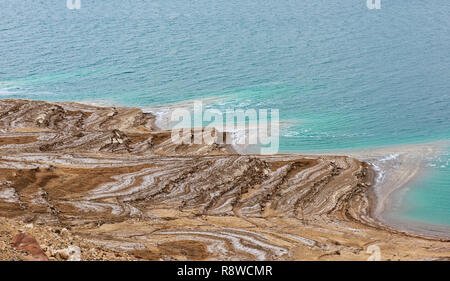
[[116, 184]]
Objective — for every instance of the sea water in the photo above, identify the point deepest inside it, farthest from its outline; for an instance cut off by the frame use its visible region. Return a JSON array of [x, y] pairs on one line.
[[342, 76]]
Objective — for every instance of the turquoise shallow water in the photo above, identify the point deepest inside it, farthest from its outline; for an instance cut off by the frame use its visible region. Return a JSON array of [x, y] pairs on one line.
[[427, 199], [341, 75]]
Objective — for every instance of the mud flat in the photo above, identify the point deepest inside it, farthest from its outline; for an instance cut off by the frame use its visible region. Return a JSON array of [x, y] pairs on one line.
[[116, 181]]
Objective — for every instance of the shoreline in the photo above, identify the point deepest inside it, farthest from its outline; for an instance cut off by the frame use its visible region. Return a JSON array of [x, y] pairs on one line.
[[370, 155], [397, 167], [110, 174]]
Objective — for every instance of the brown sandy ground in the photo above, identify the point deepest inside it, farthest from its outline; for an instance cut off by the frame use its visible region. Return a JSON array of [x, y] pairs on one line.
[[109, 182]]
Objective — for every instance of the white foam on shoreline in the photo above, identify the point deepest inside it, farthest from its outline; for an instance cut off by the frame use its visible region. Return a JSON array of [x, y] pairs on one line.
[[379, 174], [389, 157], [99, 103]]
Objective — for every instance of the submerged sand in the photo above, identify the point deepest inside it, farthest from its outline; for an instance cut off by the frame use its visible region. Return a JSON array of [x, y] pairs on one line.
[[116, 181]]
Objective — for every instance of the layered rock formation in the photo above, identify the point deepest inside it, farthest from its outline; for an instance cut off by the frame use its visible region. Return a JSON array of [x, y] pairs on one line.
[[118, 182]]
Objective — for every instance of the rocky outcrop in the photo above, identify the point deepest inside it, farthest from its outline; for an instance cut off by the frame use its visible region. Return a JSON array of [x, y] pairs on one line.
[[33, 127], [119, 183], [27, 243]]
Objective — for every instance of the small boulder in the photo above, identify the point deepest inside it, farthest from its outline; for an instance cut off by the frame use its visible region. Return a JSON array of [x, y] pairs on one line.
[[29, 244], [71, 253], [64, 232]]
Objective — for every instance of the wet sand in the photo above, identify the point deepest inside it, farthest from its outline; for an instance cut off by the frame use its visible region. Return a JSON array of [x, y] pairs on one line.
[[117, 181]]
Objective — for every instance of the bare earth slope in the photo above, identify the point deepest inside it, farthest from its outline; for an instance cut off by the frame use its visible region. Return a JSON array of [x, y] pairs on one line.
[[117, 184]]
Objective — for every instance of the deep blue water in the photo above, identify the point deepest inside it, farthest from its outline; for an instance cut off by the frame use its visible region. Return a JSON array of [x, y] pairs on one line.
[[341, 75]]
